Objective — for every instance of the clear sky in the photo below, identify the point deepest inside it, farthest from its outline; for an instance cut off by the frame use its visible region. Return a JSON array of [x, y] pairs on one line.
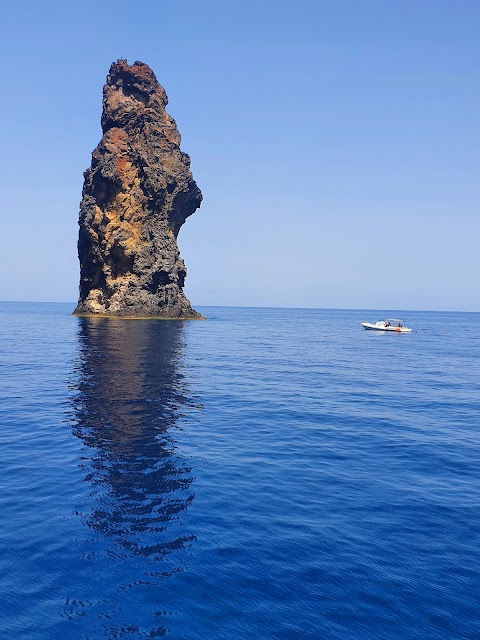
[[336, 144]]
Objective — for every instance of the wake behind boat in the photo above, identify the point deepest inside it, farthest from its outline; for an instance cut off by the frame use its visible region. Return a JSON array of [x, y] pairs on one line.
[[390, 324]]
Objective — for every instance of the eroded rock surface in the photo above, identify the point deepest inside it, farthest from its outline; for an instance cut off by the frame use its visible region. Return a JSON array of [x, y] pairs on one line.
[[137, 194]]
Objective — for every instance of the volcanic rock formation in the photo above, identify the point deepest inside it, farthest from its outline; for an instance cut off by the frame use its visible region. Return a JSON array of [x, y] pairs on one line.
[[137, 194]]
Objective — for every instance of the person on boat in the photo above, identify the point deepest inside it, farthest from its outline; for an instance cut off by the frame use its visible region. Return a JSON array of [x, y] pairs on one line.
[[387, 324], [399, 324]]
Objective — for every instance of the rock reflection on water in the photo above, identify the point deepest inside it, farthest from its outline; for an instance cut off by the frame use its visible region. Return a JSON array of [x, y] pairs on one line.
[[129, 393]]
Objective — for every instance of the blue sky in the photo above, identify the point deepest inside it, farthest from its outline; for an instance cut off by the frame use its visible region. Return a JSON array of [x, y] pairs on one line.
[[336, 144]]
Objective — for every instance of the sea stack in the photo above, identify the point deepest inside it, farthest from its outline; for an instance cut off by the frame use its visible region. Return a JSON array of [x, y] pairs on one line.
[[136, 195]]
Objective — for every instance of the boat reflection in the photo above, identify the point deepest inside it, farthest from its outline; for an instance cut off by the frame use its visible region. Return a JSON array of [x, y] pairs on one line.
[[129, 394]]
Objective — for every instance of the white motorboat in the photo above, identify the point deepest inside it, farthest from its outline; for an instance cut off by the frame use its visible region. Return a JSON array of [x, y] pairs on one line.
[[389, 324]]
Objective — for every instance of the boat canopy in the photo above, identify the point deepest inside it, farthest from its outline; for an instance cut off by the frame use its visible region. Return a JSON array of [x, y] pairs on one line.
[[394, 320]]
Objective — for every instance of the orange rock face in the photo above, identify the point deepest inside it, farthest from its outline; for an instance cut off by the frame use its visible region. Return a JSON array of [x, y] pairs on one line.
[[137, 194]]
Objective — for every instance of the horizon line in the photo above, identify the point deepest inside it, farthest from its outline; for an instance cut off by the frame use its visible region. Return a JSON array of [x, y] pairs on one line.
[[227, 306]]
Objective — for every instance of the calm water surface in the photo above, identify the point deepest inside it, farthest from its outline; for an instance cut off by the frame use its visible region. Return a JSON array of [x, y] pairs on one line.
[[266, 474]]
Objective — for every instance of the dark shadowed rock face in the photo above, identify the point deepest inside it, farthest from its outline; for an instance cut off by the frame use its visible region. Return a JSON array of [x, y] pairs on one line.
[[137, 194]]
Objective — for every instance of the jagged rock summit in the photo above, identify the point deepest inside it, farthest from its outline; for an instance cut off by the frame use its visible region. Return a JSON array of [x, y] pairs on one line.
[[137, 194]]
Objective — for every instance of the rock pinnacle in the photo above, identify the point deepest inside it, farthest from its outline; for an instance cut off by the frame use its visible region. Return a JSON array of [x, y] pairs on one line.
[[137, 194]]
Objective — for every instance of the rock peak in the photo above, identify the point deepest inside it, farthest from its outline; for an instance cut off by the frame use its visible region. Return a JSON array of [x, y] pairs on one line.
[[138, 72], [132, 92], [137, 194]]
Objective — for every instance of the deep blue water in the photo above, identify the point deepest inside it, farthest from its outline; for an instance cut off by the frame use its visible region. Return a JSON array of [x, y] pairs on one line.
[[266, 474]]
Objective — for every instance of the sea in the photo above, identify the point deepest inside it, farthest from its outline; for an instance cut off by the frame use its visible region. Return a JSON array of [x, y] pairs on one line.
[[266, 474]]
